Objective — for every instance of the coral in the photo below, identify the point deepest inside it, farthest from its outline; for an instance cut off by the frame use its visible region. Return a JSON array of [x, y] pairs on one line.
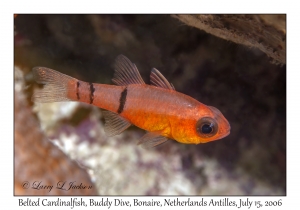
[[265, 32], [38, 162], [237, 79]]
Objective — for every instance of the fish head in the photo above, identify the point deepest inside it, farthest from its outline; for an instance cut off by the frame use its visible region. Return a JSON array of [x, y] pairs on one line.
[[211, 125]]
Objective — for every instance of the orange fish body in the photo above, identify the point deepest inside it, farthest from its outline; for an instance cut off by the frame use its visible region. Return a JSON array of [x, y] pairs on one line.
[[157, 108]]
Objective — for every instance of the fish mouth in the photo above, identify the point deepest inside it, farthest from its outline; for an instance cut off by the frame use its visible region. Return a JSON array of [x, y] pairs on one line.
[[226, 133], [222, 136]]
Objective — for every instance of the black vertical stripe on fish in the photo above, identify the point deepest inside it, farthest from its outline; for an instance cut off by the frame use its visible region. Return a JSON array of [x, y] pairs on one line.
[[122, 100], [77, 90], [92, 89]]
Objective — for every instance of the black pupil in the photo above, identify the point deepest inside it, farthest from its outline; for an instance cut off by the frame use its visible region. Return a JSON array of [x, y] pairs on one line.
[[206, 128]]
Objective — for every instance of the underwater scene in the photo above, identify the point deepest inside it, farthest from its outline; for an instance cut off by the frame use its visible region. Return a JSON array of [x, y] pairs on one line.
[[149, 104]]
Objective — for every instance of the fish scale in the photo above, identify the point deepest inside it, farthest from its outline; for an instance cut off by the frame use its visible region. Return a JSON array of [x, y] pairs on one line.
[[158, 108]]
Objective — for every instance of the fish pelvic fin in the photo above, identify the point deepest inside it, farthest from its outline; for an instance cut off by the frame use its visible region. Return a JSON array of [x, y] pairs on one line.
[[55, 85], [126, 72], [114, 123], [152, 139], [157, 79]]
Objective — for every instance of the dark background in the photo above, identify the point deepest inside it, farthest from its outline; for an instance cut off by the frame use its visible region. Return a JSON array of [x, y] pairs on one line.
[[241, 82]]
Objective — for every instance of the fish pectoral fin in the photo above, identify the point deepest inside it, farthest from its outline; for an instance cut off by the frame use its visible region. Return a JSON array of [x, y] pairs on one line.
[[152, 139], [114, 123], [126, 72], [157, 79]]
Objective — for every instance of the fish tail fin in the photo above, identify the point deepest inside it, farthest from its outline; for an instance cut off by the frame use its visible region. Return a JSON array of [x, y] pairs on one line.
[[56, 85]]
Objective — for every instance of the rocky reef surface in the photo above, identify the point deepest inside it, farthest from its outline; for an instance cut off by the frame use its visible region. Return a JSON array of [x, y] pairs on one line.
[[240, 81]]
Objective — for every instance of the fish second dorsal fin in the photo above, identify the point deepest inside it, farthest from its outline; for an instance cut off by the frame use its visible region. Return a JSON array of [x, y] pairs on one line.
[[157, 79], [114, 123], [126, 72], [152, 139]]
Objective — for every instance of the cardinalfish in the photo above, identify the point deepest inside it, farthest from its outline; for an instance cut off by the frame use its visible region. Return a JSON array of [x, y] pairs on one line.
[[157, 108]]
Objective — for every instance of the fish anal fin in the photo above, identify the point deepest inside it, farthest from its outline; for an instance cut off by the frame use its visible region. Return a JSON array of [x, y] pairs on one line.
[[126, 72], [114, 123], [152, 139], [157, 79]]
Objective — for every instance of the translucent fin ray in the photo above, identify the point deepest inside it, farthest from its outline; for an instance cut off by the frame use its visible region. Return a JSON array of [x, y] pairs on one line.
[[56, 85], [114, 123], [126, 72], [157, 79], [152, 139]]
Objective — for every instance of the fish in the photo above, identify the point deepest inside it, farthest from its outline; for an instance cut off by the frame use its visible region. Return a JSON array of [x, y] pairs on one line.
[[163, 112]]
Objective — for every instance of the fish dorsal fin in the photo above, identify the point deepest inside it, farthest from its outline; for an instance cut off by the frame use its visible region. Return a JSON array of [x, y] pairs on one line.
[[157, 79], [114, 123], [126, 72], [152, 139]]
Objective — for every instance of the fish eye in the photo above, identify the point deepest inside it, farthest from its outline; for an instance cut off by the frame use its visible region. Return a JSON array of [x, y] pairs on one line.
[[206, 127]]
